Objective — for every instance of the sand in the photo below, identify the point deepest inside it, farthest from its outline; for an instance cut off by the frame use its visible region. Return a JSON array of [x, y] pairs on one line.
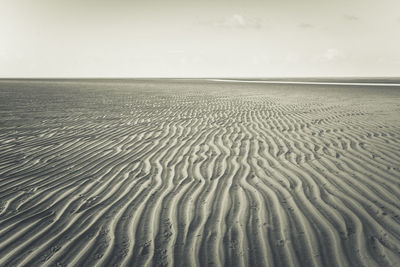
[[198, 173]]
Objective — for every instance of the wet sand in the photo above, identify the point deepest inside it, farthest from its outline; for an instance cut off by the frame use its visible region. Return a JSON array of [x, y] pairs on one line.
[[198, 173]]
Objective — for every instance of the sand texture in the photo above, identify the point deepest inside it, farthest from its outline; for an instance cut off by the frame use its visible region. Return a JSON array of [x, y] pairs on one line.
[[198, 173]]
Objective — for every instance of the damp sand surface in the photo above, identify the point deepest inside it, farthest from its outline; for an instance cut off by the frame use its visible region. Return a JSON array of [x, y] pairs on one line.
[[169, 172]]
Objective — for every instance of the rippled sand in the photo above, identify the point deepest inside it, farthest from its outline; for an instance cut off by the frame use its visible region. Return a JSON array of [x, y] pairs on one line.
[[198, 173]]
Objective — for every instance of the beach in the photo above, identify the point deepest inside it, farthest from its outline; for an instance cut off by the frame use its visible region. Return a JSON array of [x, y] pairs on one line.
[[199, 172]]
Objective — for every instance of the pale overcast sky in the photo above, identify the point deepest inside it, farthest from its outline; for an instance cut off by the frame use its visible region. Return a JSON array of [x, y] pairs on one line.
[[120, 38]]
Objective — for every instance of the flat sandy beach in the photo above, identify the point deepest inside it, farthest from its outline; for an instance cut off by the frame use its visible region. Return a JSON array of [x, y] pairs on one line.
[[168, 172]]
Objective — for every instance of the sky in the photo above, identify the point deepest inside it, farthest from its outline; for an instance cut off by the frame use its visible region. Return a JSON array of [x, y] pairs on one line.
[[176, 38]]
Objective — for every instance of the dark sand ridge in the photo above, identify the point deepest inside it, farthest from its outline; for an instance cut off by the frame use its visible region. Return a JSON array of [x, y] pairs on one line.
[[195, 172]]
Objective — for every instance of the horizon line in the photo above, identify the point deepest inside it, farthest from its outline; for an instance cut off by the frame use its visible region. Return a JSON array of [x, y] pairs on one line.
[[197, 77], [307, 82], [257, 80]]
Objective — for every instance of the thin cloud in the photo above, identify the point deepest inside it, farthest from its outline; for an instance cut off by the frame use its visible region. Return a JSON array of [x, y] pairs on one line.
[[331, 54], [235, 21], [306, 25], [350, 17]]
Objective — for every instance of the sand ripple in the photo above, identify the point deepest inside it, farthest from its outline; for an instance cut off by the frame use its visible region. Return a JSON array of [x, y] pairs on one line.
[[198, 173]]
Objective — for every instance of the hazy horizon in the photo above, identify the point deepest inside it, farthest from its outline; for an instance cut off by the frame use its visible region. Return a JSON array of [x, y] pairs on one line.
[[126, 39]]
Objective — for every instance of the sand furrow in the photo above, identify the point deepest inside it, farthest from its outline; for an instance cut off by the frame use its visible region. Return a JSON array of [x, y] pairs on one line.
[[170, 172]]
